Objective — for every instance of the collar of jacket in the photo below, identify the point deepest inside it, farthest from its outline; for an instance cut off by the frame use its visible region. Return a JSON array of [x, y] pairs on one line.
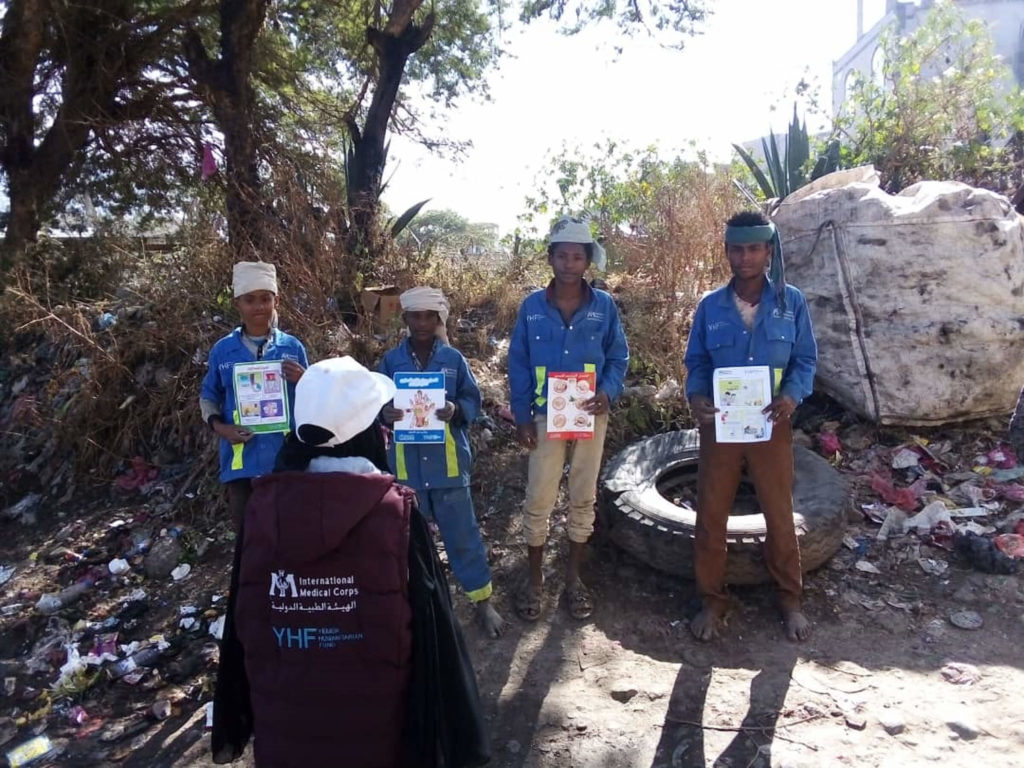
[[588, 293], [411, 355], [728, 296]]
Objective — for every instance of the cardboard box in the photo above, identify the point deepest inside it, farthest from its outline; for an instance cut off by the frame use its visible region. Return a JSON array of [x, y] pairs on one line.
[[381, 304]]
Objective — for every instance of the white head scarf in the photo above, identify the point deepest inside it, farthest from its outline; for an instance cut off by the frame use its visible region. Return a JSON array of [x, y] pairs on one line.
[[426, 299], [249, 276], [576, 230]]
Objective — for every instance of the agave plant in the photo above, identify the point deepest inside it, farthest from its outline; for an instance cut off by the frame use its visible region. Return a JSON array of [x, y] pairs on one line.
[[785, 170]]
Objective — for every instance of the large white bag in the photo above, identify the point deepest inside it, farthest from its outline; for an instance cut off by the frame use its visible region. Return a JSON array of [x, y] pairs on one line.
[[917, 299]]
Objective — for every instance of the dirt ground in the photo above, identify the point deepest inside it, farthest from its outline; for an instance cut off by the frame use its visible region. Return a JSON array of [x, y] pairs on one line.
[[886, 679]]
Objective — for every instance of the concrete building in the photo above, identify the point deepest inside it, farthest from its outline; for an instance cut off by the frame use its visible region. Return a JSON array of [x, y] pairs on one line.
[[1005, 20]]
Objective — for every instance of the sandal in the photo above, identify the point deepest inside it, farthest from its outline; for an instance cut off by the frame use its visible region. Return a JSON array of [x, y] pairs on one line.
[[579, 601], [528, 602]]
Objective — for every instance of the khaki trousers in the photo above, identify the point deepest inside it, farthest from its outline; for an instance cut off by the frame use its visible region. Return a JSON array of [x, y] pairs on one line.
[[770, 467], [545, 473]]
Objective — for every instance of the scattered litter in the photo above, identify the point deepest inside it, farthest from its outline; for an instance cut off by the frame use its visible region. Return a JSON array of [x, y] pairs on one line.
[[1010, 544], [893, 524], [181, 571], [51, 603], [1006, 475], [849, 542], [25, 510], [928, 519], [932, 567], [960, 674], [966, 620], [876, 513], [830, 444], [999, 458], [983, 555], [974, 528], [217, 628], [866, 567], [1011, 492], [187, 623], [904, 498], [905, 458], [141, 473], [31, 752], [161, 709], [970, 512], [118, 566], [6, 571]]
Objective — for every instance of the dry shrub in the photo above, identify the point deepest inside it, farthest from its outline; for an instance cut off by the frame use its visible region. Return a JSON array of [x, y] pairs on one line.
[[666, 268]]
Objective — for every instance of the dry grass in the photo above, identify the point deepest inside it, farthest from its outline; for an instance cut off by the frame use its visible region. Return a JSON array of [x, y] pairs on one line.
[[96, 398]]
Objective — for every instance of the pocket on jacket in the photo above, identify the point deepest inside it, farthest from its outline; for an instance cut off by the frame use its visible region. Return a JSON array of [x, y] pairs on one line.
[[724, 336]]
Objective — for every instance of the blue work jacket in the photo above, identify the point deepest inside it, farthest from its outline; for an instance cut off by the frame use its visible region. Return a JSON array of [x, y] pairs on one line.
[[782, 340], [542, 342], [425, 466], [255, 457]]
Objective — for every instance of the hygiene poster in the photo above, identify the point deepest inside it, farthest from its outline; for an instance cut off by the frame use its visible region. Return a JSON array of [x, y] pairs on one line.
[[740, 395], [419, 396], [566, 394], [261, 396]]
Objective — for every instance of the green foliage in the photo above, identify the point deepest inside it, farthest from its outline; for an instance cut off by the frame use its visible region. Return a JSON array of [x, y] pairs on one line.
[[406, 218], [937, 109], [447, 232], [788, 171], [669, 23]]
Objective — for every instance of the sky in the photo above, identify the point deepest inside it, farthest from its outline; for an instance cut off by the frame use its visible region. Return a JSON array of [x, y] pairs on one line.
[[555, 91]]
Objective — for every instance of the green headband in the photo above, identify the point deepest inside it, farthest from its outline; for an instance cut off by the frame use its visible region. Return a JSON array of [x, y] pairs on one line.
[[743, 235], [764, 233]]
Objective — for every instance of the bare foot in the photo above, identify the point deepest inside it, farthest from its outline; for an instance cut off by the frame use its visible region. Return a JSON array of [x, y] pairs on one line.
[[705, 624], [489, 620], [798, 628]]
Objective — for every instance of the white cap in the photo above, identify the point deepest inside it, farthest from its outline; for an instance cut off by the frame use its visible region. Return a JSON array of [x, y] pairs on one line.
[[249, 276], [340, 396]]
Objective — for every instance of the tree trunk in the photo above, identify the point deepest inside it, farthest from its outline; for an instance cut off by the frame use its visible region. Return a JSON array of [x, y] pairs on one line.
[[21, 43], [227, 87], [393, 46], [97, 50]]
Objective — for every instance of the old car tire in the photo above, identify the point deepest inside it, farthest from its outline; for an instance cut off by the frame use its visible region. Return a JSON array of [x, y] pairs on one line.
[[637, 516]]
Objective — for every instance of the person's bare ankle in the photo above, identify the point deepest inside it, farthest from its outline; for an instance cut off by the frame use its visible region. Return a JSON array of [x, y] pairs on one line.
[[489, 620], [706, 624], [797, 626]]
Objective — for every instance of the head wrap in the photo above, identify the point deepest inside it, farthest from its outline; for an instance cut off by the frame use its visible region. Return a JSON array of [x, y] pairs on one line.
[[426, 299], [576, 230], [764, 233], [249, 276], [337, 399]]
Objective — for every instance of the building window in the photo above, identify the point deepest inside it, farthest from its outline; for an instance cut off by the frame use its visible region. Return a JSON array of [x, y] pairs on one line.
[[848, 84], [878, 66]]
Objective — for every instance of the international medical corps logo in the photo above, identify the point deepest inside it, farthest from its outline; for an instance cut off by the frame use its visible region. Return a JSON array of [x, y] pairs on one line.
[[283, 585]]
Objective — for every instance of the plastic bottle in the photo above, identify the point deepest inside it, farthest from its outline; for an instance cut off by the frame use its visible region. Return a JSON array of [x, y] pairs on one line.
[[51, 603]]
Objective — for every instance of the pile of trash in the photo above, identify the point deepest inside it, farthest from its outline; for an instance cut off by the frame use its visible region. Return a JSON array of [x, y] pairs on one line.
[[108, 627], [961, 493]]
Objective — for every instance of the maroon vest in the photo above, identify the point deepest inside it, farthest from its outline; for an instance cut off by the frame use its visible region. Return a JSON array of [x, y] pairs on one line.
[[323, 614]]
